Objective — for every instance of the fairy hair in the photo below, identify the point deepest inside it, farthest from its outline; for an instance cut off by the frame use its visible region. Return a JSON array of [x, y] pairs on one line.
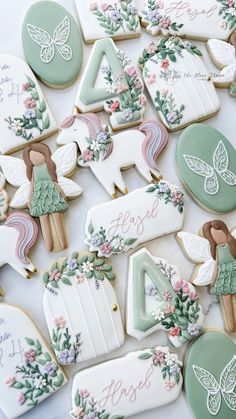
[[46, 152], [219, 225]]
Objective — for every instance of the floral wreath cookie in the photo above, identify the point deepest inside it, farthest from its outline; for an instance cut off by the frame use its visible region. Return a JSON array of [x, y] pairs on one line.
[[29, 370], [116, 19], [171, 72], [106, 153], [78, 287], [24, 113], [127, 386], [111, 82], [202, 20]]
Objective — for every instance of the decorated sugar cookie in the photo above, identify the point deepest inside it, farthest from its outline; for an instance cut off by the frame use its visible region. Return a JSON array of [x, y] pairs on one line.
[[81, 308], [126, 386], [142, 215], [43, 187], [159, 299], [116, 19], [52, 43], [109, 154], [209, 376], [178, 82], [24, 113], [29, 371], [4, 199], [215, 255], [110, 81], [203, 19], [206, 162]]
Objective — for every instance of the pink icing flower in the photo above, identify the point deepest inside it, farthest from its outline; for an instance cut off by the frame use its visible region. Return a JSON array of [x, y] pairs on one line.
[[29, 103], [30, 355], [54, 275], [165, 63], [10, 380], [115, 106], [169, 384], [142, 100], [175, 331], [84, 394], [26, 86], [78, 412], [167, 296], [130, 70], [193, 296], [181, 285], [165, 23], [164, 92], [93, 6], [80, 278], [21, 398], [151, 78], [118, 76], [60, 322], [104, 7], [223, 25], [121, 88], [87, 155], [151, 49], [105, 248], [158, 358], [169, 309], [176, 197], [231, 3]]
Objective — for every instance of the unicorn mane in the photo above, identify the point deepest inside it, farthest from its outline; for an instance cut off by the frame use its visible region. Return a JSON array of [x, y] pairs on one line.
[[27, 229], [155, 141]]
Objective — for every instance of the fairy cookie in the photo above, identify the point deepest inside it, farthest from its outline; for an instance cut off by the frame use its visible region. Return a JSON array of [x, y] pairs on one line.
[[127, 386], [81, 308], [4, 199], [178, 82], [209, 376], [52, 44], [106, 153], [116, 19], [202, 20], [25, 116], [111, 82], [159, 299], [144, 214], [206, 162], [216, 254], [43, 187], [29, 370]]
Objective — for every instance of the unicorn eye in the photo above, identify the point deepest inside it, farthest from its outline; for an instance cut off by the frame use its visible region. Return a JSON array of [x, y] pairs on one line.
[[75, 129]]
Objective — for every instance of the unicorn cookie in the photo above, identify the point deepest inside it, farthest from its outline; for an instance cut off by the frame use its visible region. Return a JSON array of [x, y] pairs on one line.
[[108, 154], [4, 199]]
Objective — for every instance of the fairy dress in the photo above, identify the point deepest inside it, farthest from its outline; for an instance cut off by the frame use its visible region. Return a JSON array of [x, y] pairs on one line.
[[46, 198], [226, 279]]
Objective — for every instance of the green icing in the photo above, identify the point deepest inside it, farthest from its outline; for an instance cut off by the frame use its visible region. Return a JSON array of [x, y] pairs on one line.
[[212, 351], [233, 90], [206, 161], [55, 50]]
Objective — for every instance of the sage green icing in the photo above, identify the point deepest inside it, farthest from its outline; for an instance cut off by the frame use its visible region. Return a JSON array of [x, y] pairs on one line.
[[233, 90], [47, 15], [201, 141], [211, 351], [225, 283]]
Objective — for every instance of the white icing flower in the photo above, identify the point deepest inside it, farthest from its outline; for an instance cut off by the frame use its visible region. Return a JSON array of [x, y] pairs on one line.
[[88, 267], [40, 382], [95, 146], [170, 359], [111, 88], [16, 125], [118, 243], [158, 314]]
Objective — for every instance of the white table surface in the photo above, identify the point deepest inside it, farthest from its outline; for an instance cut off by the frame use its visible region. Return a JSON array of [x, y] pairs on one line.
[[29, 293]]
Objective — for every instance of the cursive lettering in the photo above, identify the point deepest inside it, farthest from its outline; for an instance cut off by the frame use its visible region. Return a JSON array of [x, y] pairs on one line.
[[5, 336], [15, 352], [181, 8], [15, 92], [4, 67], [116, 390], [126, 220]]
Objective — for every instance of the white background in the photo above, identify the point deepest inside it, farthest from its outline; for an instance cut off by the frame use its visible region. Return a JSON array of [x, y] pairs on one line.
[[29, 293]]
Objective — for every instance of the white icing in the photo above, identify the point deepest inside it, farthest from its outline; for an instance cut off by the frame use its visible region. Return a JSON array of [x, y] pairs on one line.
[[15, 325], [13, 75], [14, 170], [4, 199], [143, 384], [224, 57]]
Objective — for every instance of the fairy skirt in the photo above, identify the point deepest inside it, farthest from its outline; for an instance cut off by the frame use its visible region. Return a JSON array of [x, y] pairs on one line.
[[46, 199]]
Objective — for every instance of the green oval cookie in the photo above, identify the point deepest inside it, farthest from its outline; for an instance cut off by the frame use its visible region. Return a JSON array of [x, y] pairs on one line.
[[210, 377], [52, 43], [206, 161]]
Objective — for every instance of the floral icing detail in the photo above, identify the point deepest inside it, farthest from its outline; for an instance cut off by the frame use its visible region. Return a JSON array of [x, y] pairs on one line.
[[86, 407], [165, 103], [34, 117], [37, 377], [153, 16], [169, 364], [228, 13], [4, 199], [169, 193], [96, 146], [114, 245], [66, 351], [113, 17], [77, 269]]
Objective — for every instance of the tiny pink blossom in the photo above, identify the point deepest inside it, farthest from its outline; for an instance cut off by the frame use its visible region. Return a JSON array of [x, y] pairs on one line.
[[158, 358], [169, 384], [193, 296], [104, 7], [21, 398], [175, 331], [115, 106], [30, 355], [87, 155], [165, 63], [105, 248], [10, 380], [181, 285], [151, 49], [78, 412], [167, 296], [26, 86], [84, 394], [130, 70], [60, 322], [165, 23], [29, 103], [143, 100], [151, 78], [121, 88], [170, 309], [118, 76], [93, 6], [54, 275], [80, 278]]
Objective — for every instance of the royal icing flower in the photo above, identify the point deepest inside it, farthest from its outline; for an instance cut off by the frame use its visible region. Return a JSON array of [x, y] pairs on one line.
[[133, 10], [16, 125], [30, 113], [194, 329], [96, 240], [165, 63], [177, 197], [104, 7], [165, 22], [60, 322], [131, 71], [163, 188], [158, 358], [88, 267], [40, 382], [170, 309], [105, 68], [21, 398], [78, 412], [169, 384], [186, 44], [118, 76], [193, 296], [93, 6], [84, 394], [170, 359], [54, 275], [72, 264], [151, 49], [151, 290], [151, 79], [115, 16], [29, 103], [158, 314], [30, 355], [67, 356], [181, 285], [128, 114], [10, 380], [95, 146], [175, 331], [118, 243], [51, 368], [80, 278], [26, 86], [121, 88], [142, 100], [106, 248], [115, 106], [153, 16], [111, 88], [167, 296], [87, 155], [174, 369]]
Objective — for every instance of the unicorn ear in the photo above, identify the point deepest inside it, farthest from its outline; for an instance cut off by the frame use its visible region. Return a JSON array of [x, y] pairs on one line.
[[68, 122]]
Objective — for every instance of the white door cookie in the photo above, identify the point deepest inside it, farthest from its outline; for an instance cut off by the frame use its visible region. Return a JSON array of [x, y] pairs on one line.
[[81, 308], [178, 82], [24, 113]]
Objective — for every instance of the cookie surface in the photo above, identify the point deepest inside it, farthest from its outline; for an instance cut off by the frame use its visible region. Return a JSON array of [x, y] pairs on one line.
[[118, 20], [128, 385], [24, 113], [30, 372], [78, 287], [224, 57], [209, 376], [52, 43], [206, 162]]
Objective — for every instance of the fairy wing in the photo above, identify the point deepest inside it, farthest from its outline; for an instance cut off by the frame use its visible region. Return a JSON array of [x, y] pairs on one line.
[[228, 383], [61, 36], [42, 38], [221, 163], [222, 52], [14, 170], [201, 168], [210, 384], [205, 273], [70, 188], [197, 248]]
